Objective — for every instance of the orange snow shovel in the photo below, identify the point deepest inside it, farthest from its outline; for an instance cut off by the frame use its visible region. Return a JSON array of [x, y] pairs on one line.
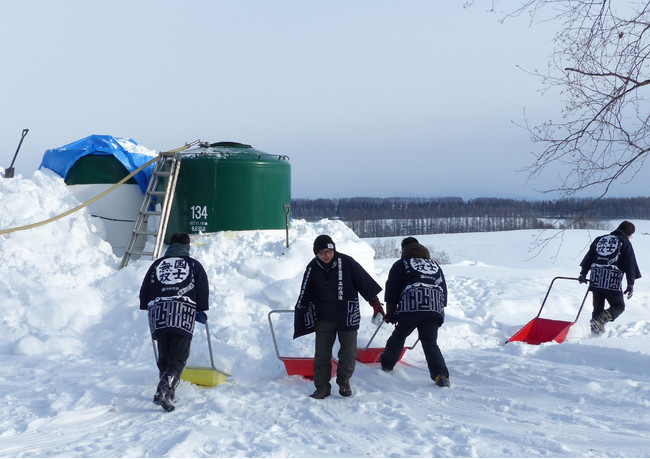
[[541, 330], [301, 366], [202, 376]]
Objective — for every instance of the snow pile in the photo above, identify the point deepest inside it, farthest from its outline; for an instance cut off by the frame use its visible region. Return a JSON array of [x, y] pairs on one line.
[[48, 272], [79, 373]]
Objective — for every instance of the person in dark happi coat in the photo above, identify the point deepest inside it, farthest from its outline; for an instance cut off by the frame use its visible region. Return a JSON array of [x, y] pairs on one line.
[[610, 259], [416, 297], [175, 293], [328, 304]]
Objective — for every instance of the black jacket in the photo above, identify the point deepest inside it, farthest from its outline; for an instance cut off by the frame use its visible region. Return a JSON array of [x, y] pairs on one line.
[[416, 285], [174, 288], [609, 258], [332, 293]]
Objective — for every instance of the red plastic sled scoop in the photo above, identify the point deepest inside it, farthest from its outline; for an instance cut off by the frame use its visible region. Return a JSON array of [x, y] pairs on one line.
[[540, 330], [301, 366]]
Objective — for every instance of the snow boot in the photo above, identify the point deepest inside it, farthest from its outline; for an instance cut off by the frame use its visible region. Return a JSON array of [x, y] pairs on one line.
[[442, 381], [163, 391], [598, 323], [596, 327], [320, 394], [344, 389]]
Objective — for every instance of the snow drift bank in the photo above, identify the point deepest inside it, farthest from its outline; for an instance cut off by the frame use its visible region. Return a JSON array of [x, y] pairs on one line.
[[78, 371]]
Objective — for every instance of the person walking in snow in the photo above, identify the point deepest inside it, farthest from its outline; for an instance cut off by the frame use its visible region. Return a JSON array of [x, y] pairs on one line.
[[175, 293], [416, 297], [328, 304], [610, 257]]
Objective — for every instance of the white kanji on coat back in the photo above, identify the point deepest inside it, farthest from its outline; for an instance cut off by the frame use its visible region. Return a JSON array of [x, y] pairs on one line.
[[424, 266], [607, 245], [172, 271]]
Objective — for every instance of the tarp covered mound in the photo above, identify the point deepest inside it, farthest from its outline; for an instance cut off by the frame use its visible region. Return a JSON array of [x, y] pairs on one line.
[[126, 151]]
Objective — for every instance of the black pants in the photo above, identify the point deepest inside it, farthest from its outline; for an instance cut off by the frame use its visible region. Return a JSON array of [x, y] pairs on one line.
[[428, 334], [173, 352], [615, 300], [326, 331]]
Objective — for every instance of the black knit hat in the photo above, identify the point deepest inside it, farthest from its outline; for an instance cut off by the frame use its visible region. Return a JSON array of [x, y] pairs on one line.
[[323, 242], [627, 227]]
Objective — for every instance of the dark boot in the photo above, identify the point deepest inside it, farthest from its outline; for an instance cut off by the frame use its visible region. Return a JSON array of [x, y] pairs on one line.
[[598, 323], [344, 386], [163, 392], [321, 393], [442, 381], [344, 389]]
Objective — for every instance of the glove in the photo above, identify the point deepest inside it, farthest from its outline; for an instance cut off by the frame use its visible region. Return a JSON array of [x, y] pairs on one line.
[[582, 278], [629, 291], [390, 319], [378, 308], [201, 317]]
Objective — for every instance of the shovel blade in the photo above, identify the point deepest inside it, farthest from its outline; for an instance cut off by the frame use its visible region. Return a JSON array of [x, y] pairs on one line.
[[304, 366], [539, 331], [204, 376]]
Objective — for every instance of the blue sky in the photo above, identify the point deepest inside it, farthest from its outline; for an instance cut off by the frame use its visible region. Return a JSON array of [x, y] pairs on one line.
[[367, 98]]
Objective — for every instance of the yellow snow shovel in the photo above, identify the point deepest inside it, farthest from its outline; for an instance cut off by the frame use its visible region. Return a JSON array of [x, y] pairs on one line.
[[202, 376], [205, 376]]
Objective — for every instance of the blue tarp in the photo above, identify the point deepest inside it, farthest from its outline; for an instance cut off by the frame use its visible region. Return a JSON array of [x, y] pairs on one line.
[[127, 152]]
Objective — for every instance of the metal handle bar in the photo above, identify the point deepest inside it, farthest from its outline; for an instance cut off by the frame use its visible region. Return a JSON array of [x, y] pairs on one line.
[[375, 333], [275, 342], [207, 332], [549, 291]]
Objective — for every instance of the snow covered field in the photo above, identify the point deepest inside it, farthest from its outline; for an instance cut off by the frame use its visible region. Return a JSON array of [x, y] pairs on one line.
[[78, 373]]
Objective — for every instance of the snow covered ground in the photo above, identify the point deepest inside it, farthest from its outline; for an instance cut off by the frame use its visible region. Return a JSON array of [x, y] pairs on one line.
[[78, 373]]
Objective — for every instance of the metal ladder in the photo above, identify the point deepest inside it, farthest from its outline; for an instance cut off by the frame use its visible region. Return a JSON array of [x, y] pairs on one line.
[[159, 192]]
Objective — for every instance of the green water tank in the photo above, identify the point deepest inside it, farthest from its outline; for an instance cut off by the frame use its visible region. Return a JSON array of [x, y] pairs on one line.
[[229, 186]]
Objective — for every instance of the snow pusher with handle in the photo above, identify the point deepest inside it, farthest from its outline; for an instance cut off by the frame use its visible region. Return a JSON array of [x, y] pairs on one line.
[[202, 376], [372, 354], [205, 376], [540, 330], [301, 366]]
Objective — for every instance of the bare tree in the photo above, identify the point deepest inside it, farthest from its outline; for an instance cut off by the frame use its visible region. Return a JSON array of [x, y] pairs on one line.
[[601, 65]]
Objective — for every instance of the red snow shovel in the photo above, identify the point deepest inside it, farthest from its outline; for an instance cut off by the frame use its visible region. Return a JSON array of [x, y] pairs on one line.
[[372, 354], [541, 330], [301, 366]]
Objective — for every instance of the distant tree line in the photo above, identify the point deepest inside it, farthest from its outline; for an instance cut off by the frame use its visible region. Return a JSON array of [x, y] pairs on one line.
[[383, 217]]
